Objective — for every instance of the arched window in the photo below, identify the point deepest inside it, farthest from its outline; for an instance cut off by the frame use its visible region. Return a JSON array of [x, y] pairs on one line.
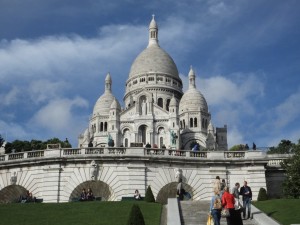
[[105, 126], [181, 124], [161, 142], [126, 142], [203, 123], [191, 122], [173, 124], [184, 124], [160, 102], [168, 103], [195, 122], [101, 126]]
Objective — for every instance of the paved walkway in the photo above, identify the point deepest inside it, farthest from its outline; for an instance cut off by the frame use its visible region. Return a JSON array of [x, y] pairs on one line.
[[196, 212]]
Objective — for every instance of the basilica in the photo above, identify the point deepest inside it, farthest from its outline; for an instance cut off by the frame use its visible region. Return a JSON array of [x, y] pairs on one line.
[[156, 111]]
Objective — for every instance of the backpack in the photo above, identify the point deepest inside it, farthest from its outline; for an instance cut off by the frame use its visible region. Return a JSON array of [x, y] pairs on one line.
[[217, 203]]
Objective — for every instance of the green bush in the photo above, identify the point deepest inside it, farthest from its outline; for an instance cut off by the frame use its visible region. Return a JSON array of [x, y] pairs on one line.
[[136, 216], [262, 195], [149, 197]]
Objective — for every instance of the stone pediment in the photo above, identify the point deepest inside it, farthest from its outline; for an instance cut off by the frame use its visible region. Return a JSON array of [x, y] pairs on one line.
[[160, 112], [128, 113]]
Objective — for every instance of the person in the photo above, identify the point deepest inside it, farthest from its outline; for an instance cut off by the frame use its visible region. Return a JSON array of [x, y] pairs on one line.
[[254, 146], [90, 195], [246, 147], [228, 203], [163, 146], [148, 145], [217, 184], [247, 197], [90, 145], [137, 195], [215, 208], [222, 186], [83, 195], [180, 190], [236, 194]]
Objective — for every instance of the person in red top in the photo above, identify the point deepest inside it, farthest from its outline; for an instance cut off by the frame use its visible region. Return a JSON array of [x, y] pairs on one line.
[[228, 203]]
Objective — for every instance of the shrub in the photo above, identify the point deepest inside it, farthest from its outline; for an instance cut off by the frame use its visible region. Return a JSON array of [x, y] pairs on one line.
[[262, 195], [136, 216], [149, 197]]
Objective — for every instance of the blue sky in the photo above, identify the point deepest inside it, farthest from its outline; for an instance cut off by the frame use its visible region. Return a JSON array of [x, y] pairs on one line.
[[54, 56]]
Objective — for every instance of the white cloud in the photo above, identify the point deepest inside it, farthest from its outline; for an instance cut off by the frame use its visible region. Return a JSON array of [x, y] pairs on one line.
[[57, 114], [43, 90], [234, 137], [288, 111], [10, 97]]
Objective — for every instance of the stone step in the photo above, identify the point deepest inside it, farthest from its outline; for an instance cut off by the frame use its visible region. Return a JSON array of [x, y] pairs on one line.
[[196, 213]]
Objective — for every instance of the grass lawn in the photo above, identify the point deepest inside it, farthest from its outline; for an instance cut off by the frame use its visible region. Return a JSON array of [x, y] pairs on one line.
[[285, 211], [77, 213]]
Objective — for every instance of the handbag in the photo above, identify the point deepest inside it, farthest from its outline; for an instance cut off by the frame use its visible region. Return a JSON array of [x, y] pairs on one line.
[[225, 213], [210, 220]]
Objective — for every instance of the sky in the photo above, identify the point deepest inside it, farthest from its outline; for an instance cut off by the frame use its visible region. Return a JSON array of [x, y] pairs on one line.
[[55, 54]]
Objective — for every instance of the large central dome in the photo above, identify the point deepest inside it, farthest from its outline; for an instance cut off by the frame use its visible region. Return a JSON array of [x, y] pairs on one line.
[[154, 60]]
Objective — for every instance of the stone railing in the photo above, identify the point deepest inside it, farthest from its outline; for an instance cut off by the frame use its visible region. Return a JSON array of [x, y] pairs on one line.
[[273, 160]]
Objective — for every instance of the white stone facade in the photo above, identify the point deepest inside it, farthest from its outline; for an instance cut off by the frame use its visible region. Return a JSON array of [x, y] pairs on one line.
[[156, 109], [55, 175]]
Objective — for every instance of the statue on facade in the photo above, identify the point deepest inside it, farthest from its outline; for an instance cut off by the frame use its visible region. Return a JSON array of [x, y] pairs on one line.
[[110, 141], [178, 174], [144, 107], [173, 137], [94, 170]]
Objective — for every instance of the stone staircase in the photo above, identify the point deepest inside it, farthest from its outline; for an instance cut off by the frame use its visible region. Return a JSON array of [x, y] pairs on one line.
[[196, 212]]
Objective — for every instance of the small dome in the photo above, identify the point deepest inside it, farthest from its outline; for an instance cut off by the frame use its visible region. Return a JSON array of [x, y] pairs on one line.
[[115, 105], [192, 100], [103, 104], [173, 102]]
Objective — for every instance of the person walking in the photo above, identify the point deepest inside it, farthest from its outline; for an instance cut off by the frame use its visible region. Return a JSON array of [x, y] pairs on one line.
[[228, 201], [217, 184], [215, 208], [247, 197], [180, 190]]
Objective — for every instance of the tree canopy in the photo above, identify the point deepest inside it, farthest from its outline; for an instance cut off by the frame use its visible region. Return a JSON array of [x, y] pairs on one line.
[[284, 147], [292, 166], [20, 146], [1, 141]]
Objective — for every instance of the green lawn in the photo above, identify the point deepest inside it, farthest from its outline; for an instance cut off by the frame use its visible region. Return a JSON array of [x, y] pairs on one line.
[[285, 211], [77, 213]]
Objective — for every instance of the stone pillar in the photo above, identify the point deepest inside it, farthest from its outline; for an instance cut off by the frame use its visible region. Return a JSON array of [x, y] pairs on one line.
[[51, 183], [136, 179]]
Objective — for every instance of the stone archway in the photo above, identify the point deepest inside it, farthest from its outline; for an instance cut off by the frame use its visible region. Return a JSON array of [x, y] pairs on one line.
[[99, 188], [12, 193], [169, 191]]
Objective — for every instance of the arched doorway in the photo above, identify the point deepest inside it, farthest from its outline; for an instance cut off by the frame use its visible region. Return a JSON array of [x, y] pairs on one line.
[[12, 193], [143, 134], [99, 188], [169, 191]]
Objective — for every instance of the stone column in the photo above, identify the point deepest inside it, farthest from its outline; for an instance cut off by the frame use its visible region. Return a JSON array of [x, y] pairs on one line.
[[51, 183], [136, 179]]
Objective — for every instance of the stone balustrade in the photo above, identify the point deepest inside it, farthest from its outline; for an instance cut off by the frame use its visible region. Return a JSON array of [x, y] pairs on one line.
[[273, 160]]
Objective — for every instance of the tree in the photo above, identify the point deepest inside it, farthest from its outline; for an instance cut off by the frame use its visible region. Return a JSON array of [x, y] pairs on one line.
[[136, 216], [262, 195], [1, 141], [284, 147], [292, 167], [149, 197]]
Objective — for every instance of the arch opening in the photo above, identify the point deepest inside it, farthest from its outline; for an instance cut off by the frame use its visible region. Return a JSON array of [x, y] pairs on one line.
[[169, 191]]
